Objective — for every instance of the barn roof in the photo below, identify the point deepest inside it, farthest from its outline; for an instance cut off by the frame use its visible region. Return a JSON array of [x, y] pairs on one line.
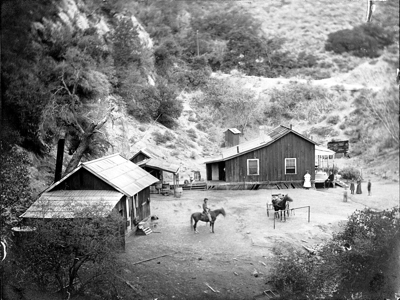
[[122, 174], [255, 144], [233, 130], [70, 203], [159, 164]]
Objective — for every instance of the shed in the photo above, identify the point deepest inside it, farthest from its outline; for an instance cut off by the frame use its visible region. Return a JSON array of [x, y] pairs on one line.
[[144, 154], [280, 157], [232, 137], [340, 147], [112, 181]]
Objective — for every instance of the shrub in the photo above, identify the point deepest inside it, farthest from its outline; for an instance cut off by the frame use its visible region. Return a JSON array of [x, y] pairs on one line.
[[192, 133], [201, 127], [342, 126], [364, 41], [333, 119], [353, 262], [160, 138], [349, 173]]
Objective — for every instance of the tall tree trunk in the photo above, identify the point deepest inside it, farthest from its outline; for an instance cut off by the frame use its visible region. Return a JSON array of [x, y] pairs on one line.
[[84, 143]]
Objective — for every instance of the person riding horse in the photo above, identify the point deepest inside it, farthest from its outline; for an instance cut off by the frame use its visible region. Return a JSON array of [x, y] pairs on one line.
[[206, 210]]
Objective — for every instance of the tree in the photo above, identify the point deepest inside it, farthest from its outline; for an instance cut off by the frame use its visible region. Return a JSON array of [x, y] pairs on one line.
[[15, 192], [71, 255], [235, 105]]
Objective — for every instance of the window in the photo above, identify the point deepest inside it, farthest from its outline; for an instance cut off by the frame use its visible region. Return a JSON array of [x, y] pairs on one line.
[[252, 167], [290, 166]]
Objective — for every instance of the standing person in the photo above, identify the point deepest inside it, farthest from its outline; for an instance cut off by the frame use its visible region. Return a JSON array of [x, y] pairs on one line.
[[206, 210], [352, 187], [369, 187], [307, 180], [359, 186]]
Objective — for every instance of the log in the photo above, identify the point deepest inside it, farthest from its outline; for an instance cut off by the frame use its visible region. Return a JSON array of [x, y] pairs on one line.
[[144, 260]]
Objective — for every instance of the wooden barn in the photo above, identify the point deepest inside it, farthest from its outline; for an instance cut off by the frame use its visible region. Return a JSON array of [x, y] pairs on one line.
[[112, 181], [277, 160]]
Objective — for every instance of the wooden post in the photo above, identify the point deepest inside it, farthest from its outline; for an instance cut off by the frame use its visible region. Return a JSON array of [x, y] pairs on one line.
[[309, 214]]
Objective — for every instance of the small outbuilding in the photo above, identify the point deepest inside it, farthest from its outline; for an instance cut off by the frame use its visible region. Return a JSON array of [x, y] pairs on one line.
[[232, 137], [156, 166], [279, 159], [112, 181]]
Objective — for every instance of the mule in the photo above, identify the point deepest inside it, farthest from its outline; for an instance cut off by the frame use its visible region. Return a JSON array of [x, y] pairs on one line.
[[198, 216], [282, 205]]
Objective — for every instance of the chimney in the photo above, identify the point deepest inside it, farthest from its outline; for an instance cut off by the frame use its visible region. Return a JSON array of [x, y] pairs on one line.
[[237, 148], [60, 156], [290, 126]]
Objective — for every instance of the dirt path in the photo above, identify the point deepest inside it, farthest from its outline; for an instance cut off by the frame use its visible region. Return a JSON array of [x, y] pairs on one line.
[[244, 242]]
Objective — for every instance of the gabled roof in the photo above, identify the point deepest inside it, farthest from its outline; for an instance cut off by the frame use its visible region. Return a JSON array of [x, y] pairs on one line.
[[233, 130], [70, 203], [159, 165], [147, 152], [122, 174], [255, 144]]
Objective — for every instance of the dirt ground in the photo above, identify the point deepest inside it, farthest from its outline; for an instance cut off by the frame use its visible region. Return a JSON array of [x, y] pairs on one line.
[[243, 243]]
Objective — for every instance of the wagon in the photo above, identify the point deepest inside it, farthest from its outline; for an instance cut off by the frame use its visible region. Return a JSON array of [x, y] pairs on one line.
[[270, 206]]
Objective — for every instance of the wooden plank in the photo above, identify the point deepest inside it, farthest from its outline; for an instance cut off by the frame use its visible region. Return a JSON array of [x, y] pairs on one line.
[[152, 258]]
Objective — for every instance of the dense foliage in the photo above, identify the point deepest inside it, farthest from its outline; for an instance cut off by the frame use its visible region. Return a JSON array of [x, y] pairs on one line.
[[70, 255], [364, 40], [224, 35], [15, 192], [355, 264]]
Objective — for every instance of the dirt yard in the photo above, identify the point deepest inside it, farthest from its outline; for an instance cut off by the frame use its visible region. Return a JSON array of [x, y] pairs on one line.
[[235, 261]]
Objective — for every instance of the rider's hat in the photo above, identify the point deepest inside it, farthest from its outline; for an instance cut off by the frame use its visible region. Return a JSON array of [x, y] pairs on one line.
[[205, 199]]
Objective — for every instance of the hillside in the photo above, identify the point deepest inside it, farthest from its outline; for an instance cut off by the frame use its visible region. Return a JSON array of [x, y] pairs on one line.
[[137, 71]]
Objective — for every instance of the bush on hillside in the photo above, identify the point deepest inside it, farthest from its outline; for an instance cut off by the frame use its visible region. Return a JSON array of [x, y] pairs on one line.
[[192, 133], [333, 119], [335, 272], [349, 173], [160, 138], [365, 40]]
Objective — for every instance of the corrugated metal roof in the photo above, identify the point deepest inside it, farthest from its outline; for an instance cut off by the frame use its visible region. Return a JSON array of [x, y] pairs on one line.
[[233, 130], [120, 173], [159, 164], [257, 143], [69, 203]]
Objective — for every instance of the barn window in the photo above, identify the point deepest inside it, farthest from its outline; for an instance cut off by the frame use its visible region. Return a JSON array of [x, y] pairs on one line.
[[252, 167], [290, 166]]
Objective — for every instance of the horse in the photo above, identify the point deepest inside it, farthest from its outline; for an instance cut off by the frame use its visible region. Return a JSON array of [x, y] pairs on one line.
[[282, 205], [198, 216]]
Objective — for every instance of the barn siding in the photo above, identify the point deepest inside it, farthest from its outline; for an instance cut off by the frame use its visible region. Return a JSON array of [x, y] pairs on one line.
[[83, 180], [272, 161]]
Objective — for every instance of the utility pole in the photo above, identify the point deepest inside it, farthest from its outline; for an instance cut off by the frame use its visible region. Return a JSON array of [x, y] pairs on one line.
[[197, 42]]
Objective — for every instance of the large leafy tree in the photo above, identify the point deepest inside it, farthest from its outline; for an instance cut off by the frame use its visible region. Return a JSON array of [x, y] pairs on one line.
[[70, 255]]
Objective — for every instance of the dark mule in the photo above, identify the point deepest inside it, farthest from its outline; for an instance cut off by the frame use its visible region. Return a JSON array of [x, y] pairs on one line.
[[198, 216], [282, 205]]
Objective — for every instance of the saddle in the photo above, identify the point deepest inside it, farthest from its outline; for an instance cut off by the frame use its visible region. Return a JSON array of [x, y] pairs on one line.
[[205, 216]]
